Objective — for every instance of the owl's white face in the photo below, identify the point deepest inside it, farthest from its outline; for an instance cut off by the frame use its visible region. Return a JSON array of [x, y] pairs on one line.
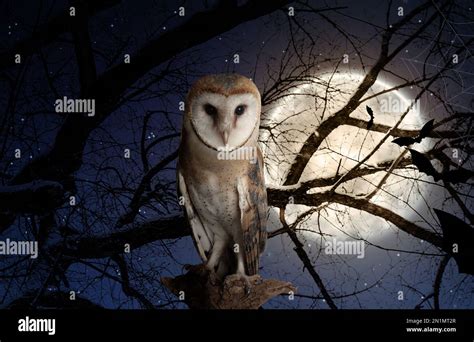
[[225, 121]]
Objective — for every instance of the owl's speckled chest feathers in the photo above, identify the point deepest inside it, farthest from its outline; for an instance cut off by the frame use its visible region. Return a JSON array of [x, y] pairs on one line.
[[215, 197]]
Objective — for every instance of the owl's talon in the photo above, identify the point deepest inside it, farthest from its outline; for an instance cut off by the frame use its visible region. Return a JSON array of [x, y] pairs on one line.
[[230, 281], [247, 288], [259, 281], [247, 284]]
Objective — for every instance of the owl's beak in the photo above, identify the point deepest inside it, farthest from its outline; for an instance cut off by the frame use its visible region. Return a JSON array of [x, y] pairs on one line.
[[225, 136]]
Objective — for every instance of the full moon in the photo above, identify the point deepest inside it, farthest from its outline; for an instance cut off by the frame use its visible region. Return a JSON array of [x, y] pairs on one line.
[[289, 122]]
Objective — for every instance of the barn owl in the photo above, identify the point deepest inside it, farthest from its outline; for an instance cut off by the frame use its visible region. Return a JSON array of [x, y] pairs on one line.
[[220, 174]]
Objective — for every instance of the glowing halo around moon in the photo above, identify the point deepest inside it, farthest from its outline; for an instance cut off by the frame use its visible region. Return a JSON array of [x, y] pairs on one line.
[[298, 114]]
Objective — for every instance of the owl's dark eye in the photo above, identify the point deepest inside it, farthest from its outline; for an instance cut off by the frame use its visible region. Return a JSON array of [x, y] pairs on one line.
[[239, 110], [210, 109]]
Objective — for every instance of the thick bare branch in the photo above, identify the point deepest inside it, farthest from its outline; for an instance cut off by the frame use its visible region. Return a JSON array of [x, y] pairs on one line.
[[33, 197], [313, 142], [279, 198], [109, 245], [398, 132]]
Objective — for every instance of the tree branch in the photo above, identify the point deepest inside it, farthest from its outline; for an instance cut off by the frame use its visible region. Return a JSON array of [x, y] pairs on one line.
[[51, 31], [126, 287], [398, 132], [299, 249], [109, 245], [83, 48], [66, 155], [33, 197], [438, 279], [279, 198]]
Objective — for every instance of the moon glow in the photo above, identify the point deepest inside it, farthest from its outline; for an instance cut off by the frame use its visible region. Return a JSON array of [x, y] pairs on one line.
[[298, 114]]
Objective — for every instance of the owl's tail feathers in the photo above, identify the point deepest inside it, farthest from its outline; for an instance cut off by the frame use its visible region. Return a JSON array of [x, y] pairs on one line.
[[253, 251]]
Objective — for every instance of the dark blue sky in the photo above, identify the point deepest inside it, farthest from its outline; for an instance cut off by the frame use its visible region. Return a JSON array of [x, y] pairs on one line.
[[106, 181]]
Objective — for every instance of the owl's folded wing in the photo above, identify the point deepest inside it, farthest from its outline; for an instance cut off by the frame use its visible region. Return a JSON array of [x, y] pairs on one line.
[[201, 238], [253, 210]]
